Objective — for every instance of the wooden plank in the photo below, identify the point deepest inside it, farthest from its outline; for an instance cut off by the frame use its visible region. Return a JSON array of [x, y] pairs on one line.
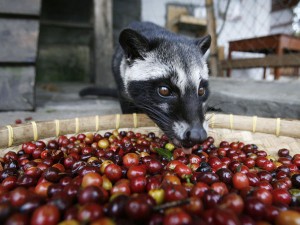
[[23, 7], [173, 14], [18, 16], [67, 24], [192, 24], [103, 43], [18, 40], [17, 88], [287, 60], [187, 19], [283, 4]]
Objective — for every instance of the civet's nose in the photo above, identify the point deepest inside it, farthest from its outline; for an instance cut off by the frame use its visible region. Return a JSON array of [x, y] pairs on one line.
[[195, 135]]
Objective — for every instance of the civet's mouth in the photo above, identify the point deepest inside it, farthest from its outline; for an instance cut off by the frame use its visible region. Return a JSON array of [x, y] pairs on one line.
[[186, 149]]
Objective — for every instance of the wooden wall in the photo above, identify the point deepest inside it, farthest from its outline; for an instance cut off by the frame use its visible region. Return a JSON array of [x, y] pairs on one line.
[[19, 29], [66, 41]]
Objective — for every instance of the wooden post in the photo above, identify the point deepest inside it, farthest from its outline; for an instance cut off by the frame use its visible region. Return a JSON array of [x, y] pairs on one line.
[[211, 29], [229, 58], [103, 43], [279, 52]]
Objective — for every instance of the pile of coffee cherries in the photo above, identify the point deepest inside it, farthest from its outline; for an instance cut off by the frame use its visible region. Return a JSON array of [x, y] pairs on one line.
[[133, 178]]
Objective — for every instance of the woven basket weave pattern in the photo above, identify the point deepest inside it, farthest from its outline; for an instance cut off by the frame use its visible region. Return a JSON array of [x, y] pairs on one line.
[[268, 134]]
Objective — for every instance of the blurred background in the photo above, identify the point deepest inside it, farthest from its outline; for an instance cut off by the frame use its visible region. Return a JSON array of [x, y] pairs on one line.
[[52, 49]]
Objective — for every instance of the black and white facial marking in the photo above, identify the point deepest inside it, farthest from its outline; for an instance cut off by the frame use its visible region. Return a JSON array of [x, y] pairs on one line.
[[167, 77]]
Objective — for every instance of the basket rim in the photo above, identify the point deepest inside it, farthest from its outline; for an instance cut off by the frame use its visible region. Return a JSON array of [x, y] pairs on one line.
[[13, 135]]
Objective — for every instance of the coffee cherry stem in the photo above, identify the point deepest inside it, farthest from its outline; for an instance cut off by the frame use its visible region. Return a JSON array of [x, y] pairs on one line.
[[239, 168], [188, 180], [171, 204]]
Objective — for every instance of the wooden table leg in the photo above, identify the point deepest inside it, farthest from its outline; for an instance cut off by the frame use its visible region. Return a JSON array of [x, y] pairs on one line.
[[279, 51], [276, 73], [264, 76], [229, 58]]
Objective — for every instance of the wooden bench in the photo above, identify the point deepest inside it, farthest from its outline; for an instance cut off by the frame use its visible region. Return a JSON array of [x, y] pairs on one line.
[[280, 49]]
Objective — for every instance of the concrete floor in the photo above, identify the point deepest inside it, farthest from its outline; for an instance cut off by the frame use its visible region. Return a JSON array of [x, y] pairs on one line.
[[238, 96], [261, 98], [61, 101]]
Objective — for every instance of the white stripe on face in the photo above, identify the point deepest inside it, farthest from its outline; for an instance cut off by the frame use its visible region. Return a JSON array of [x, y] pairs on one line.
[[205, 126], [143, 70], [198, 72], [179, 128], [164, 107], [152, 68]]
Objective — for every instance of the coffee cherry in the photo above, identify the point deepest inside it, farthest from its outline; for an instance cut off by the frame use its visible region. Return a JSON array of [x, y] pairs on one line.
[[199, 189], [90, 212], [234, 202], [288, 217], [283, 152], [282, 196], [47, 214], [18, 196], [52, 174], [130, 159], [90, 194], [113, 172], [211, 199], [17, 218], [138, 209], [138, 184], [225, 175], [120, 178], [225, 216], [296, 180], [255, 208], [116, 207], [103, 143], [240, 180], [158, 195], [177, 218], [92, 179]]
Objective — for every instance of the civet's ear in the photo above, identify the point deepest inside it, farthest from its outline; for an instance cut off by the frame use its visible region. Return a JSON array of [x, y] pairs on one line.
[[204, 43], [134, 44]]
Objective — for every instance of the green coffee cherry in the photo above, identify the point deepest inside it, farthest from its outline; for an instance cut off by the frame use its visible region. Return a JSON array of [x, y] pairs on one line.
[[169, 146]]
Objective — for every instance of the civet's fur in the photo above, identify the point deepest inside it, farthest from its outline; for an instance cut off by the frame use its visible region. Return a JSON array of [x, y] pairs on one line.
[[149, 57]]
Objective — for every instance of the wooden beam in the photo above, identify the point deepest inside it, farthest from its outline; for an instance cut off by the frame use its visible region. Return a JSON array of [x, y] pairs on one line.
[[17, 64], [190, 23], [103, 43], [66, 24], [286, 60], [191, 20], [24, 7], [211, 29], [19, 16]]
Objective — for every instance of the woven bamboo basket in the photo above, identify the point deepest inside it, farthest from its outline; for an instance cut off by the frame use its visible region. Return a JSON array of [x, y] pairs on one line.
[[269, 134]]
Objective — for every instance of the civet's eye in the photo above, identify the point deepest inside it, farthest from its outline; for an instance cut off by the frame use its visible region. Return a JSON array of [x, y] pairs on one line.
[[164, 91], [201, 91]]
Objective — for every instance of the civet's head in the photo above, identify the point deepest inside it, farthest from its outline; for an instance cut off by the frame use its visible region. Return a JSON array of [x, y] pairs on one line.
[[167, 77]]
